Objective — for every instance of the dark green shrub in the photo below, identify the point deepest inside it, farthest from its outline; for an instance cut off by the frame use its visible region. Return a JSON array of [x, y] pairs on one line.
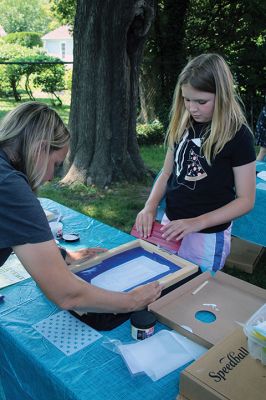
[[50, 78], [5, 88], [153, 133], [11, 73], [27, 39], [46, 75]]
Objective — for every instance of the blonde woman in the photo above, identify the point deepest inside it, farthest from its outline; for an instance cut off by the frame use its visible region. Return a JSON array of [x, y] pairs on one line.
[[209, 174], [33, 141]]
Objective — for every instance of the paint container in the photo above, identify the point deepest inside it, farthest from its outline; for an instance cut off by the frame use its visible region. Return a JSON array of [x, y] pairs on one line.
[[70, 237], [57, 229], [142, 324]]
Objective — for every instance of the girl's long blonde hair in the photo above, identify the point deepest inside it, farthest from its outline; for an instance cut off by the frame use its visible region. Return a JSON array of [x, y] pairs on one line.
[[208, 73], [30, 131]]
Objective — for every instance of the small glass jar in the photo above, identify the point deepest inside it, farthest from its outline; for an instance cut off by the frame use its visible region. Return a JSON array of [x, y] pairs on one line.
[[142, 324]]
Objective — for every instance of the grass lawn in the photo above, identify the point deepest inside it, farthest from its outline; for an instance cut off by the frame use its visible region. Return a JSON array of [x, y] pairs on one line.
[[7, 104], [118, 205]]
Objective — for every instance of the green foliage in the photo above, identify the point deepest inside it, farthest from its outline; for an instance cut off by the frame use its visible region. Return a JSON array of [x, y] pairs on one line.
[[50, 78], [12, 73], [8, 52], [5, 89], [68, 79], [236, 30], [64, 10], [153, 133], [184, 29], [24, 16], [27, 39]]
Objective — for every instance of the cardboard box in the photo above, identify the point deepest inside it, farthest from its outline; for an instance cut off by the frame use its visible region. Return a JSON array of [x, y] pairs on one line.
[[225, 372], [229, 300], [244, 255]]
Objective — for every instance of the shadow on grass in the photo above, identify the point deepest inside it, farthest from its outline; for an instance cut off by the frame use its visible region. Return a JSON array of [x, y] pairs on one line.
[[258, 277], [117, 206]]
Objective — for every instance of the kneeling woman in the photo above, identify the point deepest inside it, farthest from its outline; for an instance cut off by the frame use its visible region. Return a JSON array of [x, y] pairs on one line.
[[33, 141]]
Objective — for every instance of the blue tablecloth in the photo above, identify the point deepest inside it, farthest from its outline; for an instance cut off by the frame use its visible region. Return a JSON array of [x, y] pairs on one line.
[[33, 368], [252, 226]]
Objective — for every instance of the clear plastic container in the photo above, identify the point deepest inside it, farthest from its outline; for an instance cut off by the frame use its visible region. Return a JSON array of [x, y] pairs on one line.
[[255, 330]]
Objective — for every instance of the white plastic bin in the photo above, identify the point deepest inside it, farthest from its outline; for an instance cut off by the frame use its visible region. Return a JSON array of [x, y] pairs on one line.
[[255, 330]]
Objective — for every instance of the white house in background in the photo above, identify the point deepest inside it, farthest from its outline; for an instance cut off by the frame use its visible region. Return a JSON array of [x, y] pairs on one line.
[[2, 31], [59, 43]]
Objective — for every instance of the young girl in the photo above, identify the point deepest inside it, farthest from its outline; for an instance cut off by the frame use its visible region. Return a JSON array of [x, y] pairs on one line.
[[33, 141], [209, 174]]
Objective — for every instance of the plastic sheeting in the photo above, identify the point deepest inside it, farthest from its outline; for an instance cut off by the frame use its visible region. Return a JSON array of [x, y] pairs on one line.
[[251, 227], [32, 368]]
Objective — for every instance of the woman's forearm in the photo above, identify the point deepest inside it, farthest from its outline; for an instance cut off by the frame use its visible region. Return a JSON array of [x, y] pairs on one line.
[[45, 264]]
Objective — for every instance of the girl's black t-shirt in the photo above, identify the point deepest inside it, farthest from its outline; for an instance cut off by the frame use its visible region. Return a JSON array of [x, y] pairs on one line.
[[195, 187]]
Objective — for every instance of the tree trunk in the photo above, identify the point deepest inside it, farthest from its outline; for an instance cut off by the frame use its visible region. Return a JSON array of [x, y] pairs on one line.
[[108, 42], [16, 94]]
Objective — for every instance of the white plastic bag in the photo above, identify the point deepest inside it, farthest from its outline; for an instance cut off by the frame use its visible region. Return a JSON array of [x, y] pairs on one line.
[[159, 354]]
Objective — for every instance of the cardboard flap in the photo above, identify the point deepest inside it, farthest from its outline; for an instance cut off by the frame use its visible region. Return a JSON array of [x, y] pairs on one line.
[[230, 300]]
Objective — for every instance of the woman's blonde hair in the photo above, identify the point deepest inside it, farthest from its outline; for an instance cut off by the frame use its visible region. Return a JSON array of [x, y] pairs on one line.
[[208, 73], [30, 131]]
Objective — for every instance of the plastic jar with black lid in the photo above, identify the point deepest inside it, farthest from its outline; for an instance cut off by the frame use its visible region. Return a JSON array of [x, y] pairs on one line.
[[142, 324]]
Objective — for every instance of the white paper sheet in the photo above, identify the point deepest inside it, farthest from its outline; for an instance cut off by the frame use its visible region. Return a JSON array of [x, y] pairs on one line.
[[129, 274], [12, 272]]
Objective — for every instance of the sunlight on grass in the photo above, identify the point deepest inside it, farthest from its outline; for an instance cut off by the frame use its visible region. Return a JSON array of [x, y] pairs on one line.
[[8, 104], [117, 206]]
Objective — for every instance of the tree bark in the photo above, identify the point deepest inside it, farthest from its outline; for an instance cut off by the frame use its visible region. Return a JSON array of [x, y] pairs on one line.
[[108, 42]]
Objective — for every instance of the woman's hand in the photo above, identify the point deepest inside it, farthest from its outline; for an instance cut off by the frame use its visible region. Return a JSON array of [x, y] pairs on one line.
[[145, 219], [177, 229], [83, 254], [144, 295]]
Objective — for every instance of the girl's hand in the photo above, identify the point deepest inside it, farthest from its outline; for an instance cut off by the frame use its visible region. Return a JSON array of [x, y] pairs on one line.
[[144, 221], [83, 254], [179, 228]]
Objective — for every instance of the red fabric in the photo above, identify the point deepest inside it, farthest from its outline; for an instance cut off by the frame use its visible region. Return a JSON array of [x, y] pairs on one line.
[[156, 238]]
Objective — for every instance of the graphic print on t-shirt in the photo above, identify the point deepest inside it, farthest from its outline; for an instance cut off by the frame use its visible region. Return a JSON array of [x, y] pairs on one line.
[[189, 168], [195, 171]]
